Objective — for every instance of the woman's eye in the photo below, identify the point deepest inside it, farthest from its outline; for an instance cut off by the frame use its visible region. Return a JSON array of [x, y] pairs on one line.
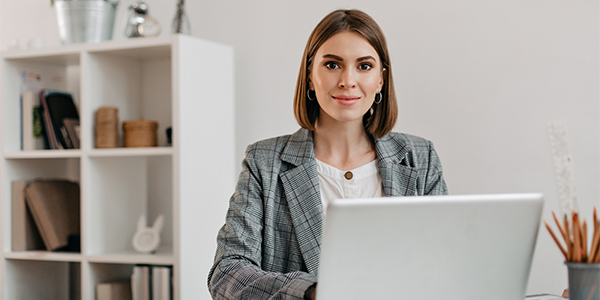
[[365, 66], [332, 65]]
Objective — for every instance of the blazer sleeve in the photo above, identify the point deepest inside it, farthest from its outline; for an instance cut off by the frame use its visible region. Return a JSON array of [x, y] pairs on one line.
[[237, 272], [434, 181]]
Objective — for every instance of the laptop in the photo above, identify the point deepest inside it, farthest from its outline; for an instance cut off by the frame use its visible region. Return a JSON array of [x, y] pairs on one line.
[[429, 248]]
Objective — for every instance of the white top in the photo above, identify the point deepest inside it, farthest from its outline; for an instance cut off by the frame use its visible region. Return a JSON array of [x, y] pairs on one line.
[[362, 182]]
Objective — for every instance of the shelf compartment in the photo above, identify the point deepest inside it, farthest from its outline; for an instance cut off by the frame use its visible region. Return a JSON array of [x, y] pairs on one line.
[[43, 280], [64, 66], [138, 88], [43, 256], [106, 272], [30, 169], [120, 189]]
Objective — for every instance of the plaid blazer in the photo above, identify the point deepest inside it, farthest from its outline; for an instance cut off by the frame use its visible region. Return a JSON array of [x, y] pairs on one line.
[[269, 246]]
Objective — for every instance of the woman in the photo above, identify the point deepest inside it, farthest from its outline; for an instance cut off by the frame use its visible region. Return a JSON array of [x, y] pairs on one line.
[[346, 105]]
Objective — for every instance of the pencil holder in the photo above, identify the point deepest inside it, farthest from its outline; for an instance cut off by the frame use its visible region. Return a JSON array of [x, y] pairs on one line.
[[140, 133], [584, 281]]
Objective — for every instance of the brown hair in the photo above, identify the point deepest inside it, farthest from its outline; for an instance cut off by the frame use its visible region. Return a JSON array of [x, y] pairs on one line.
[[385, 113]]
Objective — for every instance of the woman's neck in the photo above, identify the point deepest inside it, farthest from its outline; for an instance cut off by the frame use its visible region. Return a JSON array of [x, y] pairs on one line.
[[345, 146]]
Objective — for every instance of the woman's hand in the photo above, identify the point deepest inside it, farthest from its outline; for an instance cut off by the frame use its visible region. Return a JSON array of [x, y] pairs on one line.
[[311, 293], [565, 293]]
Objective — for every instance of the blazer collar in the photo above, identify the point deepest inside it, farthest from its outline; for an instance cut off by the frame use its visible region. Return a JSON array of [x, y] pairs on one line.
[[398, 176], [301, 186]]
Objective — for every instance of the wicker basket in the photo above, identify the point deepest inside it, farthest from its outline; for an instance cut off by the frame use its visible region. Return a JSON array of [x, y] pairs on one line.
[[140, 133]]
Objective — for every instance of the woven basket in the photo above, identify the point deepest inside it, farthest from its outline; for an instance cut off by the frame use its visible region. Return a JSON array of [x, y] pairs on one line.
[[140, 133]]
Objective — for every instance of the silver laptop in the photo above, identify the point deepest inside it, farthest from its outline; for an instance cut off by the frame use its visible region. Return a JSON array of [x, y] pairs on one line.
[[429, 248]]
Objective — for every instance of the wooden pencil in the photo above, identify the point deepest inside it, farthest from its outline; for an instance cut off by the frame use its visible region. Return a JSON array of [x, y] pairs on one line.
[[597, 257], [595, 220], [594, 246], [556, 241], [576, 239], [584, 242], [562, 230], [568, 237]]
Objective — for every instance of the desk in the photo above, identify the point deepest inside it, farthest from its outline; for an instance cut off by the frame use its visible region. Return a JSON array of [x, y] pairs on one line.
[[545, 297]]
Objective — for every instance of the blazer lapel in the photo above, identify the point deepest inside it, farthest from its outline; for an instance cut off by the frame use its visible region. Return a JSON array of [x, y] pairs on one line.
[[398, 178], [301, 188]]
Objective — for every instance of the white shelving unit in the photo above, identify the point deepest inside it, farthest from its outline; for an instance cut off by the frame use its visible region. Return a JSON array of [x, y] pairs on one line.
[[181, 82]]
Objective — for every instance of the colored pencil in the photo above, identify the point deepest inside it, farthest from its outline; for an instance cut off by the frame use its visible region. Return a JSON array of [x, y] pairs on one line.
[[562, 230], [575, 234], [576, 239], [595, 219], [568, 237], [594, 247], [556, 241], [584, 241]]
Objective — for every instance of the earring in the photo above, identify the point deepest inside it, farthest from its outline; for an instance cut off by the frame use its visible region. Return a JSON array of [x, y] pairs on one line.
[[380, 98], [308, 96]]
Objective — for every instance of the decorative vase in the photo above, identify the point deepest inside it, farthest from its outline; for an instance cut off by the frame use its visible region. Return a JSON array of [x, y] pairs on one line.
[[181, 23]]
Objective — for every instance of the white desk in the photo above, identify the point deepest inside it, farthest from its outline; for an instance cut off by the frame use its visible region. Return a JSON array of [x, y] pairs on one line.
[[545, 297]]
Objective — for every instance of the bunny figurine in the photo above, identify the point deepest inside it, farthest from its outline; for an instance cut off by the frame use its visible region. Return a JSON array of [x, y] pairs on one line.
[[147, 239]]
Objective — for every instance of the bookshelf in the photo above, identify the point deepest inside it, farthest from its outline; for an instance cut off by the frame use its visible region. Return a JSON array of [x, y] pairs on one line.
[[179, 81]]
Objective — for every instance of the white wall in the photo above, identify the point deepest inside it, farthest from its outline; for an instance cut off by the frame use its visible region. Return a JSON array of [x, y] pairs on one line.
[[479, 78]]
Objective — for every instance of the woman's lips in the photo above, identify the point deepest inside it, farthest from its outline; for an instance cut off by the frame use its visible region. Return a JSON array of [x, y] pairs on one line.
[[345, 100]]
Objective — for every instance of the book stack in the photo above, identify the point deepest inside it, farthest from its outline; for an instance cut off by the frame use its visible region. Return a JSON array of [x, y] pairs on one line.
[[49, 121], [45, 214], [150, 282]]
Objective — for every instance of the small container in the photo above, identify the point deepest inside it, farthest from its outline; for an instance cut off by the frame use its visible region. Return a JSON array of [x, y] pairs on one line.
[[140, 133], [85, 21], [584, 281], [107, 127]]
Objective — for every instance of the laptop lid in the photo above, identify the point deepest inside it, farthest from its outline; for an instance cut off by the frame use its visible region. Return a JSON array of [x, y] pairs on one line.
[[429, 248]]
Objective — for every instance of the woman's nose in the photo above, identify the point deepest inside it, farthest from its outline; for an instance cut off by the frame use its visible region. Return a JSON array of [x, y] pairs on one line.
[[347, 79]]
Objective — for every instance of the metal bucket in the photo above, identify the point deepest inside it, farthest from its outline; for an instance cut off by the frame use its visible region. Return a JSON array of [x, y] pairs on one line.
[[90, 21]]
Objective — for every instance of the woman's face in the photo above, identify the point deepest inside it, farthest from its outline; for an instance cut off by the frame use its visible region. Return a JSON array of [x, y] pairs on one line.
[[346, 74]]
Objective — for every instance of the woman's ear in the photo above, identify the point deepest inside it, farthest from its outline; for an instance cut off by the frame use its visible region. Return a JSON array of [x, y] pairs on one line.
[[381, 80]]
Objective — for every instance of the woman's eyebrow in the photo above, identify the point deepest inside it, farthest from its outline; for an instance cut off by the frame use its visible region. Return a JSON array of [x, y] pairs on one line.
[[333, 56], [368, 57], [363, 58]]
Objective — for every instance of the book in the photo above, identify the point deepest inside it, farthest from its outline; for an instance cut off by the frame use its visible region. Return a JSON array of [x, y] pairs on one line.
[[60, 106], [31, 134], [140, 282], [50, 134], [119, 290], [55, 207], [72, 128], [43, 127], [161, 283], [25, 235], [57, 106]]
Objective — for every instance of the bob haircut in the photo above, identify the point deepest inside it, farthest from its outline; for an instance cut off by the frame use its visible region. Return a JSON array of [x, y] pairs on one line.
[[383, 118]]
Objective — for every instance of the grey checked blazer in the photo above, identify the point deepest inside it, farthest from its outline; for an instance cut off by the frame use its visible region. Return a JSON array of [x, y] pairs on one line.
[[269, 246]]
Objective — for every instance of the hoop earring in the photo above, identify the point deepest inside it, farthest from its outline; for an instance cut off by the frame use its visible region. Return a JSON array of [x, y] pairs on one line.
[[308, 96], [380, 98]]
